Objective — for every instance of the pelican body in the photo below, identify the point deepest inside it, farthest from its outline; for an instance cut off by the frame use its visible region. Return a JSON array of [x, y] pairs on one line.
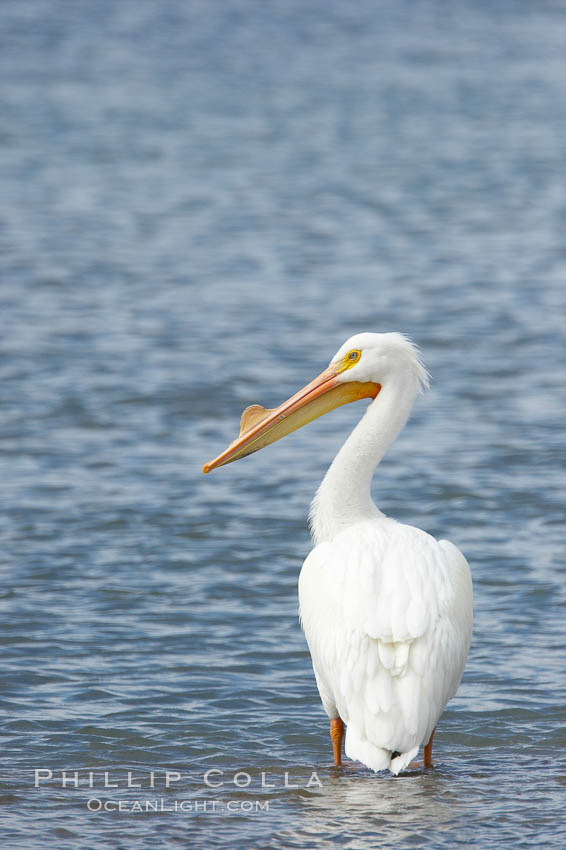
[[386, 608]]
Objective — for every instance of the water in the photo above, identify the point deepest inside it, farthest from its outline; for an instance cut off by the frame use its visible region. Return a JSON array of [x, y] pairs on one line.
[[200, 202]]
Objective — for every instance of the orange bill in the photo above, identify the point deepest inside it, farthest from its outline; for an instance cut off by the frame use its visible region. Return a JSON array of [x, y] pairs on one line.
[[260, 427]]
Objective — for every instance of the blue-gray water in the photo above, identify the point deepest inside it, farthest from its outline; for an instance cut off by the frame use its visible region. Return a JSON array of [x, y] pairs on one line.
[[199, 202]]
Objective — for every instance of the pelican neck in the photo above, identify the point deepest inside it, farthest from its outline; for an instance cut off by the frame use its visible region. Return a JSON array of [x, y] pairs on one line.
[[344, 495]]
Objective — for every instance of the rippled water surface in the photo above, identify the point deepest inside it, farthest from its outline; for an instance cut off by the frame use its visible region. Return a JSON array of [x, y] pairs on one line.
[[200, 201]]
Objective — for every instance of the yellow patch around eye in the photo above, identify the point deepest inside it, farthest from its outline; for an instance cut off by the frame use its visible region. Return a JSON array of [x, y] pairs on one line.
[[351, 358]]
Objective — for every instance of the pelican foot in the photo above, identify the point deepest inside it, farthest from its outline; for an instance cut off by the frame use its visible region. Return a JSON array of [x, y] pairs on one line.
[[428, 751], [336, 736]]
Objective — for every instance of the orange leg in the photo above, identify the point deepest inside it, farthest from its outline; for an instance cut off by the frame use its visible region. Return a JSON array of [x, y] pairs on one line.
[[428, 751], [336, 735]]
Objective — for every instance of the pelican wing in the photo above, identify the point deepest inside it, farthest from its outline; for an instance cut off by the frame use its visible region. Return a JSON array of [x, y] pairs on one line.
[[387, 613]]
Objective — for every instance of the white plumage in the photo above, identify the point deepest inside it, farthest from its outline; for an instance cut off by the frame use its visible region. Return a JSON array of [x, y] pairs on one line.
[[386, 608], [386, 611]]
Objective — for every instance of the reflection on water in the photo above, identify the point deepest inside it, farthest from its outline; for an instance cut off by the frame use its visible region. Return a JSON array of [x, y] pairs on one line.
[[436, 807], [391, 810]]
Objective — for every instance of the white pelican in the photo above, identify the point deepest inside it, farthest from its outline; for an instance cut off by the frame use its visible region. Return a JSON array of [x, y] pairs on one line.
[[386, 608]]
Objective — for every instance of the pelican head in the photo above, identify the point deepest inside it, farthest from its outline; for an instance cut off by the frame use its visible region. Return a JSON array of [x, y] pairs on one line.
[[360, 368]]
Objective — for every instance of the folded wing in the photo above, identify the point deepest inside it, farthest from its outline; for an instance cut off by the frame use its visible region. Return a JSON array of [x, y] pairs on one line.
[[387, 612]]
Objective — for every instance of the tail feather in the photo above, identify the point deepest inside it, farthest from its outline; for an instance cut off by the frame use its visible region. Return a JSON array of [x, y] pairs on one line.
[[358, 748], [402, 761]]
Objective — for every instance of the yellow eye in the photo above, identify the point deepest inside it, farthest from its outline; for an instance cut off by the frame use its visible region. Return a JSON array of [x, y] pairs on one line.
[[352, 358]]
